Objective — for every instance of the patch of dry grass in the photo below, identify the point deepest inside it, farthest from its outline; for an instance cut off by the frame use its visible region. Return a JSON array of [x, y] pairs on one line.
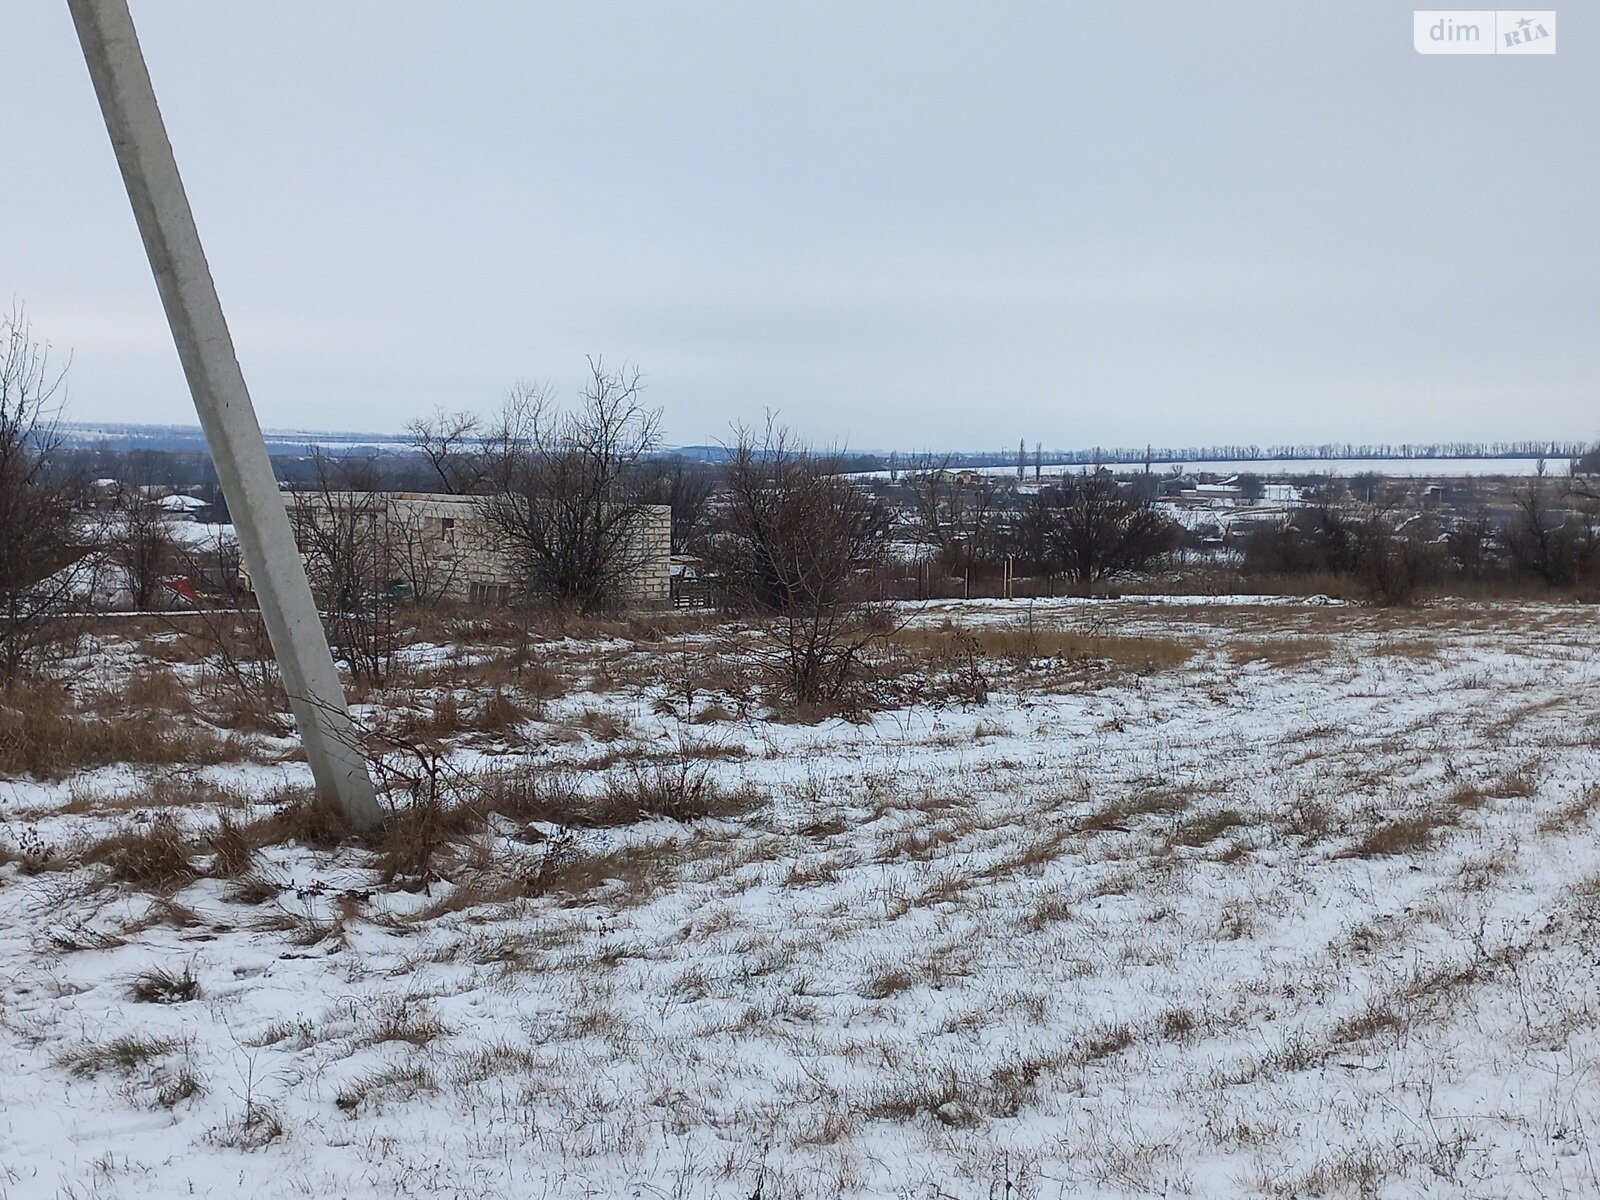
[[1572, 814], [1120, 815], [1406, 834], [46, 733], [1281, 652], [122, 1054], [1021, 644], [157, 856]]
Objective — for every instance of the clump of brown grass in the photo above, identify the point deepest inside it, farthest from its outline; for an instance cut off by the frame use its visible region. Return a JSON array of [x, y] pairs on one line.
[[253, 888], [1572, 814], [1117, 816], [157, 856], [712, 713], [1402, 835], [628, 871], [175, 789], [1412, 649], [1177, 1023], [302, 817], [413, 837], [1515, 785], [1374, 1017], [405, 1019], [1207, 827], [500, 714], [406, 1084], [601, 725], [153, 687], [887, 980], [161, 985], [531, 796], [1102, 1042], [123, 1054], [442, 719], [232, 853]]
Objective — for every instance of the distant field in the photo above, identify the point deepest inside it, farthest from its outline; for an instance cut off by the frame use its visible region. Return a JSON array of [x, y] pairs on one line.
[[1176, 898]]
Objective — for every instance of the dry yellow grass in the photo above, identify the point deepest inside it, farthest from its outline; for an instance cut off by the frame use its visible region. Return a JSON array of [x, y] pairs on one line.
[[1020, 644], [1281, 652], [46, 733]]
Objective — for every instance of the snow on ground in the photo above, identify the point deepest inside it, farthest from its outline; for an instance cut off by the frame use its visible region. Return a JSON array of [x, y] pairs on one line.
[[1314, 913]]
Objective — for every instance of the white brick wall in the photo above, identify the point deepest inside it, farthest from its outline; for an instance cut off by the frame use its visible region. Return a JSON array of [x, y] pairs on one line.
[[462, 553]]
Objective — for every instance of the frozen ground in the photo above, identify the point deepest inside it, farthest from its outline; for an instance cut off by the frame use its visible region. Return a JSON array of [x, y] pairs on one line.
[[1315, 911]]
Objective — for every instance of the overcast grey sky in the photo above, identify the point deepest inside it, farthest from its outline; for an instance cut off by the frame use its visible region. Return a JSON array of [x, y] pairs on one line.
[[900, 224]]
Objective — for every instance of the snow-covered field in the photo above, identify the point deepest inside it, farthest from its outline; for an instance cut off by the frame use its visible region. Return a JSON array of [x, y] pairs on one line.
[[1304, 902]]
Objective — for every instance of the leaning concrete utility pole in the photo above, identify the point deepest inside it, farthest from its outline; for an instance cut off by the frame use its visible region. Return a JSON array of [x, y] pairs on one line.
[[161, 208]]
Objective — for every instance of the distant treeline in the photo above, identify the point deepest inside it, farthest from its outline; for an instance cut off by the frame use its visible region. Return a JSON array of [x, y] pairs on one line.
[[111, 440], [1552, 450]]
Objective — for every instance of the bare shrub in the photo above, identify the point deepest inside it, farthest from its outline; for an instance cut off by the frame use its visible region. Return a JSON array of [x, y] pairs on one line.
[[1090, 528], [342, 528], [563, 493], [796, 542], [239, 677], [141, 544], [1396, 560], [958, 516], [37, 544], [684, 790]]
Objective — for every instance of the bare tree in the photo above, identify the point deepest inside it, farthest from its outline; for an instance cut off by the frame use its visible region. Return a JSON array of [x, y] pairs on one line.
[[684, 487], [37, 542], [1089, 528], [1555, 536], [428, 565], [452, 445], [797, 543], [562, 488], [342, 529], [239, 672], [958, 519], [1587, 465], [141, 544]]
